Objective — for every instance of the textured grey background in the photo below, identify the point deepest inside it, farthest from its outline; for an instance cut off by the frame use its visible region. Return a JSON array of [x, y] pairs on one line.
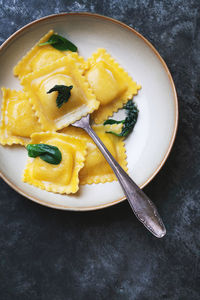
[[49, 254]]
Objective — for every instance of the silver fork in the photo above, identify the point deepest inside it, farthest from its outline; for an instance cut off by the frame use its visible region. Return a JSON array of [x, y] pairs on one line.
[[142, 206]]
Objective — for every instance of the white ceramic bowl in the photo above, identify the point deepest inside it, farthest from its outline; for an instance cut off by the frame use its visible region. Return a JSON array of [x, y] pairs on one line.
[[151, 141]]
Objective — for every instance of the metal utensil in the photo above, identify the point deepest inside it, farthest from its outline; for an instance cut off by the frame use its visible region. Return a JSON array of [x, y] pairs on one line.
[[142, 206]]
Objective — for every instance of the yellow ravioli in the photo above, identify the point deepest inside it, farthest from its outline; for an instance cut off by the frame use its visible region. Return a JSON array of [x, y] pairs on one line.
[[111, 84], [96, 169], [41, 56], [18, 119], [61, 178], [62, 72]]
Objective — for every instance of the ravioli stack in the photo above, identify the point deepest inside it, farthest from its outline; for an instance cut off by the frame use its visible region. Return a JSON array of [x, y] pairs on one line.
[[100, 87]]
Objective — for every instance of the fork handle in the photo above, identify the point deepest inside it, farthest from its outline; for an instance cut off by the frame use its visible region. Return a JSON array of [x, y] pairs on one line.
[[142, 206]]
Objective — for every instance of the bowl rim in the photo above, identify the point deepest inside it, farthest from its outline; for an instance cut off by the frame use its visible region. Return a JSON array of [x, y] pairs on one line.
[[175, 98]]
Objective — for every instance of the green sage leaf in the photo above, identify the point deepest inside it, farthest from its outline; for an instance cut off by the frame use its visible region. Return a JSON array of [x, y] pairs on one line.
[[60, 43], [64, 92], [48, 153], [129, 122]]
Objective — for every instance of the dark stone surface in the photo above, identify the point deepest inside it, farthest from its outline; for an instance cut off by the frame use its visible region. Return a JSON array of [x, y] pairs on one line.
[[49, 254]]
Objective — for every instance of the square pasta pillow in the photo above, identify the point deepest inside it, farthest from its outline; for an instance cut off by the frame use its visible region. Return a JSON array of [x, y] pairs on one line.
[[41, 56], [111, 84], [18, 118], [96, 169], [63, 72], [62, 178]]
